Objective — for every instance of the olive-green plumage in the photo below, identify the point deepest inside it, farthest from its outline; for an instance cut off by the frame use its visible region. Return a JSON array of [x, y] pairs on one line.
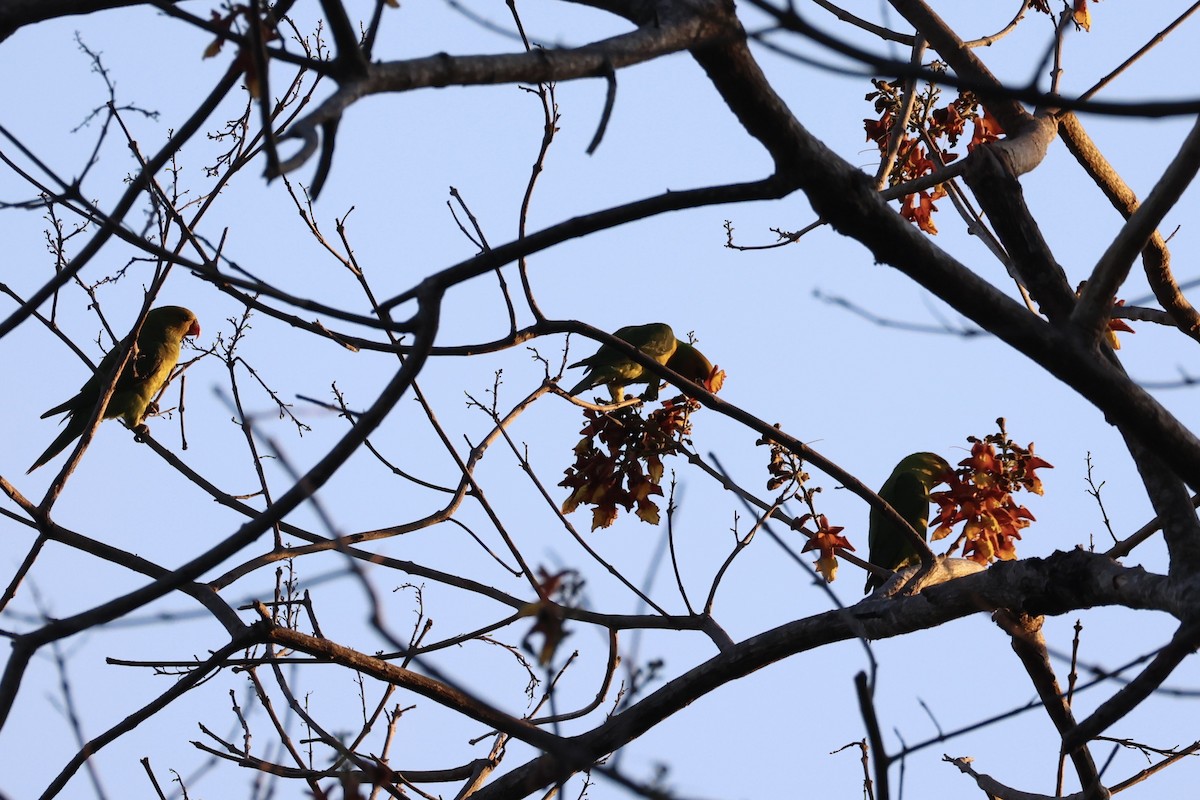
[[657, 340], [607, 366], [907, 491], [144, 374], [690, 363]]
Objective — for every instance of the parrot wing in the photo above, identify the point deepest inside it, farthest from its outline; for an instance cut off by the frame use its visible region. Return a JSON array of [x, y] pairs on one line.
[[609, 366], [656, 339]]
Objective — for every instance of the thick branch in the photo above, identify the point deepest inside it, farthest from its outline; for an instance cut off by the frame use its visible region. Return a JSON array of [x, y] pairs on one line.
[[1030, 646], [993, 180], [1054, 585], [15, 14], [844, 197]]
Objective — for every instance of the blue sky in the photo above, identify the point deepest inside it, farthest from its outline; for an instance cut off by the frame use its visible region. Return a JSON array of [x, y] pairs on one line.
[[861, 394]]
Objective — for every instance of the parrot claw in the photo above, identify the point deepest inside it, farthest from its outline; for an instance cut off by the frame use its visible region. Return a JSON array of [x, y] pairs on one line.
[[140, 430]]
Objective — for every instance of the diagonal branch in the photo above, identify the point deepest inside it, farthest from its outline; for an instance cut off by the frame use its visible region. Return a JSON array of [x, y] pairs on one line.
[[194, 677], [874, 64], [1030, 646], [577, 227], [1140, 232], [845, 197], [113, 220], [993, 180], [994, 169], [435, 690]]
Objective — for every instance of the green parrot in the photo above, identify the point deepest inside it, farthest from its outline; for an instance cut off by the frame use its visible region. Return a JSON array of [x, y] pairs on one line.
[[607, 366], [907, 491], [144, 374]]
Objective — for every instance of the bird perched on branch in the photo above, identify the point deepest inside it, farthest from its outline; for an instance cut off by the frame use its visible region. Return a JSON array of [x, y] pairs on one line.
[[609, 367], [145, 372], [907, 491]]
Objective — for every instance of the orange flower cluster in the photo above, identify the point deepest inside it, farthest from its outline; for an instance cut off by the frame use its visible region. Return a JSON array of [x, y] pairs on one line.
[[618, 462], [826, 539], [1080, 14], [715, 380], [784, 467], [932, 123], [980, 495], [547, 614]]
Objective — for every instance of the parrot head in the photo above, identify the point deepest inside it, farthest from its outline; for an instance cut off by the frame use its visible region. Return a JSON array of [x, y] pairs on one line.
[[176, 321], [930, 468], [690, 362]]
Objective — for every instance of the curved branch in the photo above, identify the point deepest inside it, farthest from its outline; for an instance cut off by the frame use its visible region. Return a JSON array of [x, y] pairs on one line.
[[610, 669], [15, 14], [768, 189], [845, 197], [907, 38], [887, 34]]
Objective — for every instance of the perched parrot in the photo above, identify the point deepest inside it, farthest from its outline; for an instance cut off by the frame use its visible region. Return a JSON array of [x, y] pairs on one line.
[[907, 491], [144, 374], [607, 366]]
